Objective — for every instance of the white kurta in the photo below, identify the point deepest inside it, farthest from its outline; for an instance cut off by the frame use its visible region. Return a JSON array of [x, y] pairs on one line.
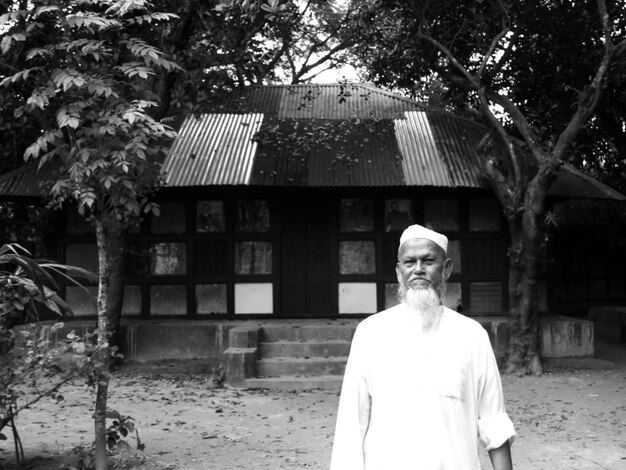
[[419, 401]]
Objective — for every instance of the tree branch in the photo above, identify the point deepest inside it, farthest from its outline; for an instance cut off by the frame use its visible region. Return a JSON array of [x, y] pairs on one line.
[[506, 53], [589, 99], [445, 51], [490, 51], [325, 58], [518, 185]]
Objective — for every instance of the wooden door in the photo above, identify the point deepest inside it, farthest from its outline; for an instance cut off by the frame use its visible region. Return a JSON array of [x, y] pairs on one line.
[[305, 273]]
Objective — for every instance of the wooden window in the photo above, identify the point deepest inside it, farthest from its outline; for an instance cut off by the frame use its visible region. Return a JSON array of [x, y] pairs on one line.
[[485, 256], [210, 258], [132, 301], [171, 218], [254, 298], [442, 214], [486, 297], [452, 297], [168, 300], [356, 215], [398, 214], [253, 257], [357, 297], [454, 253], [168, 258], [253, 215], [210, 217], [83, 255], [390, 256], [211, 299], [391, 295], [357, 257], [83, 302], [137, 259]]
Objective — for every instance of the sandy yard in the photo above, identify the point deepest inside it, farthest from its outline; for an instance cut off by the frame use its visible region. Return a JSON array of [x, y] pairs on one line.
[[573, 417]]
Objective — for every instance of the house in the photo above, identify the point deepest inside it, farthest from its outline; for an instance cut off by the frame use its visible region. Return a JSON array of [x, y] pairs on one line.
[[287, 203]]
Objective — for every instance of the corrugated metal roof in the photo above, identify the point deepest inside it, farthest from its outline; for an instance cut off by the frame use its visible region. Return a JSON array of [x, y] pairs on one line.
[[372, 138], [213, 149], [25, 181], [323, 101], [318, 152], [421, 161], [572, 183], [254, 99], [457, 140]]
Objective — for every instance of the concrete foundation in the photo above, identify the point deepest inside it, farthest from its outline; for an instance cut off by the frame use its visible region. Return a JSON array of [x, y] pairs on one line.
[[566, 337], [249, 349]]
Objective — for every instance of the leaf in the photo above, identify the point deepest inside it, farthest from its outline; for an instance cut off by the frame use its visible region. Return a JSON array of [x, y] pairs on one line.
[[135, 69], [38, 52], [153, 17], [42, 143], [19, 76], [8, 41], [68, 78], [2, 437], [84, 20], [45, 9], [12, 16], [65, 118], [142, 49], [52, 306]]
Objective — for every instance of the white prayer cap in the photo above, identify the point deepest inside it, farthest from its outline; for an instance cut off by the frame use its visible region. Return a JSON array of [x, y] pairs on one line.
[[417, 231]]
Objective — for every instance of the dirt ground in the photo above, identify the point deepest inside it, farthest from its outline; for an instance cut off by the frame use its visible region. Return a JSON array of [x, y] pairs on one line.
[[571, 418]]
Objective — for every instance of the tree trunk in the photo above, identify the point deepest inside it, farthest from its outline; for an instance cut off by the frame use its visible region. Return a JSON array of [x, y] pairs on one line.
[[527, 237], [102, 352], [115, 253]]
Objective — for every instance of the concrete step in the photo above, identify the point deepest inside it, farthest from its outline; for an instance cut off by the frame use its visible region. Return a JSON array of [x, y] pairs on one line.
[[294, 383], [295, 332], [331, 348], [290, 366]]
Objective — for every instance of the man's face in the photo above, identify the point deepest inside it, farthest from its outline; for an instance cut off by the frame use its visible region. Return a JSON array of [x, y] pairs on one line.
[[422, 263]]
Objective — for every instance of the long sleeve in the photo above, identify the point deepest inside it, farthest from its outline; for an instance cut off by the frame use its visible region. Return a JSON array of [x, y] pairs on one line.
[[354, 411], [494, 425]]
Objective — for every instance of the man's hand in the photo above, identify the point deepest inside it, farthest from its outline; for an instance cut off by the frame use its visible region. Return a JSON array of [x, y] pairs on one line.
[[501, 457]]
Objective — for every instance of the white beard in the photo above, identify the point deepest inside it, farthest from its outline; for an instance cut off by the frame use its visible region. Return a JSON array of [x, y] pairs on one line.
[[425, 301]]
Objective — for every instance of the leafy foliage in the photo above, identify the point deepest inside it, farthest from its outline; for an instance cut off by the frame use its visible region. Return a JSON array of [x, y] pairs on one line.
[[80, 70], [231, 44], [516, 65], [528, 51], [120, 428], [119, 431], [26, 283], [32, 364], [85, 70]]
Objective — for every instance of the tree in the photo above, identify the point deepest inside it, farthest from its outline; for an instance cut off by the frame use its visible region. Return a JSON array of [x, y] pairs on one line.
[[85, 72], [221, 45], [516, 66], [229, 44]]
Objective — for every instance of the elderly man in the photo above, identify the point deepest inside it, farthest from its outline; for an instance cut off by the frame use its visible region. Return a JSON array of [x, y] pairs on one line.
[[421, 386]]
